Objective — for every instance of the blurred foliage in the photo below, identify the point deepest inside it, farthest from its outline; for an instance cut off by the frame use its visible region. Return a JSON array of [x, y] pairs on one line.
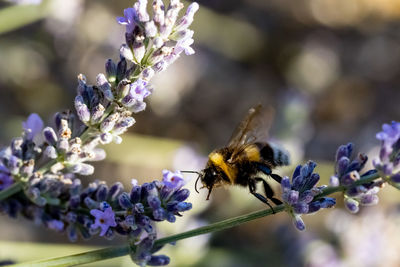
[[14, 17], [330, 69]]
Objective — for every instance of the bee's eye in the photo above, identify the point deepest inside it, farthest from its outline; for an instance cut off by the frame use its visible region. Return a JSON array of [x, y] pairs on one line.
[[214, 173]]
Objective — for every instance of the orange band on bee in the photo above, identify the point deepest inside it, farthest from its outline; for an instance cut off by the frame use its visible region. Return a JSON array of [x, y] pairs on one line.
[[252, 153], [218, 160]]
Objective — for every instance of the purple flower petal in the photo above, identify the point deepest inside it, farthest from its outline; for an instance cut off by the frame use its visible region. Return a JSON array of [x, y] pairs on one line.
[[173, 179], [104, 220], [32, 126]]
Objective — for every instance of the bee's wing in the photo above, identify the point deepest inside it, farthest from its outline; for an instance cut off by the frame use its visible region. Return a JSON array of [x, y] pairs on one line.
[[253, 128]]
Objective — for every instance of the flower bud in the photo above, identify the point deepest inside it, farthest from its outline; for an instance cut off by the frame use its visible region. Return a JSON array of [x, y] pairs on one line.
[[90, 203], [154, 202], [104, 86], [115, 190], [298, 223], [101, 194], [369, 199], [121, 69], [72, 234], [148, 73], [126, 52], [139, 50], [150, 29], [123, 88], [50, 152], [171, 217], [159, 214], [187, 19], [82, 109], [180, 195], [50, 136], [124, 201], [158, 11], [351, 204], [97, 114], [109, 123], [135, 194], [111, 70]]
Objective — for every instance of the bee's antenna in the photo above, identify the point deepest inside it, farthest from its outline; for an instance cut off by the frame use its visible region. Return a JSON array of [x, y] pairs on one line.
[[190, 172], [195, 185]]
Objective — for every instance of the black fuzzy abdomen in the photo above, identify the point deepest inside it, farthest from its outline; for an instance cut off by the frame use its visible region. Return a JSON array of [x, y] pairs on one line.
[[273, 154]]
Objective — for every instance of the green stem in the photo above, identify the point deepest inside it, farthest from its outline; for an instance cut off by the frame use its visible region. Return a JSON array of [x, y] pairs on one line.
[[13, 189], [113, 252], [81, 258], [229, 223], [341, 188]]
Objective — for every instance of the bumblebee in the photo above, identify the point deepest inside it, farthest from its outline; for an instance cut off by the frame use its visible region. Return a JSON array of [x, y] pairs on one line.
[[246, 157]]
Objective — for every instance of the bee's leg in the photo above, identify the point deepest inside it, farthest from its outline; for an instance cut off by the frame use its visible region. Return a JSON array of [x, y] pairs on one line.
[[264, 168], [276, 177], [252, 188], [269, 193]]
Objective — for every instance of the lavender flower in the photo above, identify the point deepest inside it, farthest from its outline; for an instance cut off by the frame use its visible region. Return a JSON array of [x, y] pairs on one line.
[[159, 40], [173, 180], [104, 219], [299, 196], [71, 153], [347, 171], [388, 163]]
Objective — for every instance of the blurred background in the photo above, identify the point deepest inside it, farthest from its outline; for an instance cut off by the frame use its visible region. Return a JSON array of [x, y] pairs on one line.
[[329, 68]]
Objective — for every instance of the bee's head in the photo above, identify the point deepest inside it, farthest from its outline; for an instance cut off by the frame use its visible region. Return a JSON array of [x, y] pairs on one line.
[[208, 178]]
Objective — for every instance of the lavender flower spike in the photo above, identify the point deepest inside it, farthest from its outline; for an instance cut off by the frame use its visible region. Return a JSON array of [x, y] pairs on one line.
[[168, 35], [388, 163], [299, 196], [347, 171]]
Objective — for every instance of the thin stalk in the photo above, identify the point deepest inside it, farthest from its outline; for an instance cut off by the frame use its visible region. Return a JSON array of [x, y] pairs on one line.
[[13, 189], [81, 258]]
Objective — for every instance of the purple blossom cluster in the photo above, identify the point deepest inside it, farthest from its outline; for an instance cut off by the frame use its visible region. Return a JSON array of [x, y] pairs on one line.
[[18, 159], [388, 163], [347, 172], [299, 196], [63, 205], [156, 42]]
